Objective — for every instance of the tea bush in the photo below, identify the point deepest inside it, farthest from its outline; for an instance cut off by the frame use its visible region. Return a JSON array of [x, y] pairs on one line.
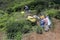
[[18, 36], [57, 15], [3, 19], [16, 23], [51, 12]]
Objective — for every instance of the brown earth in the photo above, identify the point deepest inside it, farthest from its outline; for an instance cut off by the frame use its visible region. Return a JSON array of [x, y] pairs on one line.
[[51, 35], [2, 35]]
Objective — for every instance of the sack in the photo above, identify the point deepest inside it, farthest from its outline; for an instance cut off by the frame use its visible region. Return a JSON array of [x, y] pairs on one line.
[[32, 19]]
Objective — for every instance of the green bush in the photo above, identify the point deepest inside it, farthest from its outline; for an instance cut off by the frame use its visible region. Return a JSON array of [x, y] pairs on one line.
[[18, 36], [9, 10], [16, 23], [15, 27], [51, 12], [39, 30], [3, 19], [57, 15]]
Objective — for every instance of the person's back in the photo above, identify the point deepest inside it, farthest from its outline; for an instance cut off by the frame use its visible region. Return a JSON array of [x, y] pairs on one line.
[[47, 23], [26, 8], [42, 22]]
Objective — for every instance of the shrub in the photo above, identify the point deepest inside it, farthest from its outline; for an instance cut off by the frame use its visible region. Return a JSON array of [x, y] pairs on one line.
[[26, 29], [9, 10], [39, 30], [18, 36], [15, 27], [17, 23], [3, 19], [51, 12], [58, 15]]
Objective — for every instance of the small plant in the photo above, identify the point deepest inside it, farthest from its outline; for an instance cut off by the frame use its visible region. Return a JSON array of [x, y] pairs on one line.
[[18, 36], [39, 30], [57, 15], [51, 12]]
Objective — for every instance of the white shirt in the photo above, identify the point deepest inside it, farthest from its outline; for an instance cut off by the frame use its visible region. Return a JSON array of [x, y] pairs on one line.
[[49, 22]]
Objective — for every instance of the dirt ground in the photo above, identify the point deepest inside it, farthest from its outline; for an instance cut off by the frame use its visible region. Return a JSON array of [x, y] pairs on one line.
[[51, 35], [2, 35]]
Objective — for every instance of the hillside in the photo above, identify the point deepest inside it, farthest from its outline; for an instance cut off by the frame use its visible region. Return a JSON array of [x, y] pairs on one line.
[[14, 24], [51, 35]]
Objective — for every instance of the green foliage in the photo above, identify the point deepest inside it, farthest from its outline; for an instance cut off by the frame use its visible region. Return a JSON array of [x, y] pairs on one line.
[[39, 30], [57, 1], [58, 15], [33, 4], [19, 6], [16, 23], [51, 12], [3, 19], [18, 36]]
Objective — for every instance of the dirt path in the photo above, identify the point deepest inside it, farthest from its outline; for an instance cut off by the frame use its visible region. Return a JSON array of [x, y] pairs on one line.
[[2, 35], [51, 35]]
